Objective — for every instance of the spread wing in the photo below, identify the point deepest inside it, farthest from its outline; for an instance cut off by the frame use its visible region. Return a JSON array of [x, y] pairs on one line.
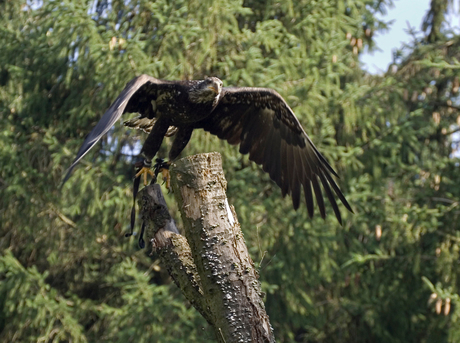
[[134, 98], [265, 127]]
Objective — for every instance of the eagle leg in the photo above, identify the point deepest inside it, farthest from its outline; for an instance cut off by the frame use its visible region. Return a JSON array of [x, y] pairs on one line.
[[144, 169], [182, 138], [141, 165]]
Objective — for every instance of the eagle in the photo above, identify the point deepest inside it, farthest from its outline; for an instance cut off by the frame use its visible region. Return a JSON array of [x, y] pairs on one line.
[[258, 119]]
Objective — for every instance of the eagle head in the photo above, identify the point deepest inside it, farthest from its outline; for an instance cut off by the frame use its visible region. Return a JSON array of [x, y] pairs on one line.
[[206, 91]]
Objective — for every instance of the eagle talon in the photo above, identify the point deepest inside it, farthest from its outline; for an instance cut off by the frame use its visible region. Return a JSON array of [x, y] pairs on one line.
[[163, 167], [144, 171], [166, 178]]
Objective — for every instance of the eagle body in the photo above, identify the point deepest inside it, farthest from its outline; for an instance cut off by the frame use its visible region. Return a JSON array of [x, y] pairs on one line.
[[258, 119], [175, 99]]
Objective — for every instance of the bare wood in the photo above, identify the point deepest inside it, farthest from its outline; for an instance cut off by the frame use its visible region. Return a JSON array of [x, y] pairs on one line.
[[228, 279], [173, 249], [214, 272]]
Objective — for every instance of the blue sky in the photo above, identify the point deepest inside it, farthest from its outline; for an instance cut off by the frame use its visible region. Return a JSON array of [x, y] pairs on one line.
[[403, 12]]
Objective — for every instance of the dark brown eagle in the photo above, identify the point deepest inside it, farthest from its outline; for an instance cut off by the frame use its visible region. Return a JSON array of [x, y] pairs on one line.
[[256, 118]]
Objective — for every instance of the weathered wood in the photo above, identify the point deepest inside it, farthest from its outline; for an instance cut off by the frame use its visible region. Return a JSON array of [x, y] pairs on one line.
[[228, 279], [211, 266], [172, 248]]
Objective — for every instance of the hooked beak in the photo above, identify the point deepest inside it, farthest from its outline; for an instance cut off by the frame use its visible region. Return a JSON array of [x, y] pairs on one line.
[[213, 89]]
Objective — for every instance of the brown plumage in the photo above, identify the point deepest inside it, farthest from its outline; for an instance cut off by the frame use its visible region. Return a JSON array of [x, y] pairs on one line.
[[258, 119]]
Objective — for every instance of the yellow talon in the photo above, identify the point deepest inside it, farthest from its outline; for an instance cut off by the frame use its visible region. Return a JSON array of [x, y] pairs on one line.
[[145, 171], [166, 177]]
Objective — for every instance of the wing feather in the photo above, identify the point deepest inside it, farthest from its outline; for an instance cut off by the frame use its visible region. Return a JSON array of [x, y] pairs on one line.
[[308, 197], [338, 192], [275, 168], [247, 135], [268, 150], [319, 196], [306, 183], [257, 152], [295, 184], [330, 196], [284, 170]]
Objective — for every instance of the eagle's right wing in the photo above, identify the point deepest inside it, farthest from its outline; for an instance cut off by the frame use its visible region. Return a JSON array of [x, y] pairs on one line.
[[139, 90]]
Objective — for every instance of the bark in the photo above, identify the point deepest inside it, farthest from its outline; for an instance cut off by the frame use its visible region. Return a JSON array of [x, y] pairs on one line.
[[211, 263]]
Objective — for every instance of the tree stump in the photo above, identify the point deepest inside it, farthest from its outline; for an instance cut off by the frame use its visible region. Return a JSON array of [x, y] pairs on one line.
[[211, 264]]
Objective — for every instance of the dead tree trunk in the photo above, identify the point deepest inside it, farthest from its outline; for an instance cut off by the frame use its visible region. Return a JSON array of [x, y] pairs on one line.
[[212, 265]]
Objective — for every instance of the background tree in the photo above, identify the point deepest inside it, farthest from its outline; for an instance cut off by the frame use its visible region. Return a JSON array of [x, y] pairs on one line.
[[388, 275]]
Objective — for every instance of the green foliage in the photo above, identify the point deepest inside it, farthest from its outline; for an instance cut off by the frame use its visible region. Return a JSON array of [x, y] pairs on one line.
[[121, 306], [68, 273]]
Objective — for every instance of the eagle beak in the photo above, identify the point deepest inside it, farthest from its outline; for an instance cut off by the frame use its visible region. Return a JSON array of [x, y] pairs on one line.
[[213, 89]]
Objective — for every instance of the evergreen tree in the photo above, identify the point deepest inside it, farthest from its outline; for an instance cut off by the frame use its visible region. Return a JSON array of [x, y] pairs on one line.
[[388, 275]]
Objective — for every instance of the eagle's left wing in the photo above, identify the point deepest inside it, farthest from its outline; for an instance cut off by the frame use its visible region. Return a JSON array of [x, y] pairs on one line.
[[265, 127]]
